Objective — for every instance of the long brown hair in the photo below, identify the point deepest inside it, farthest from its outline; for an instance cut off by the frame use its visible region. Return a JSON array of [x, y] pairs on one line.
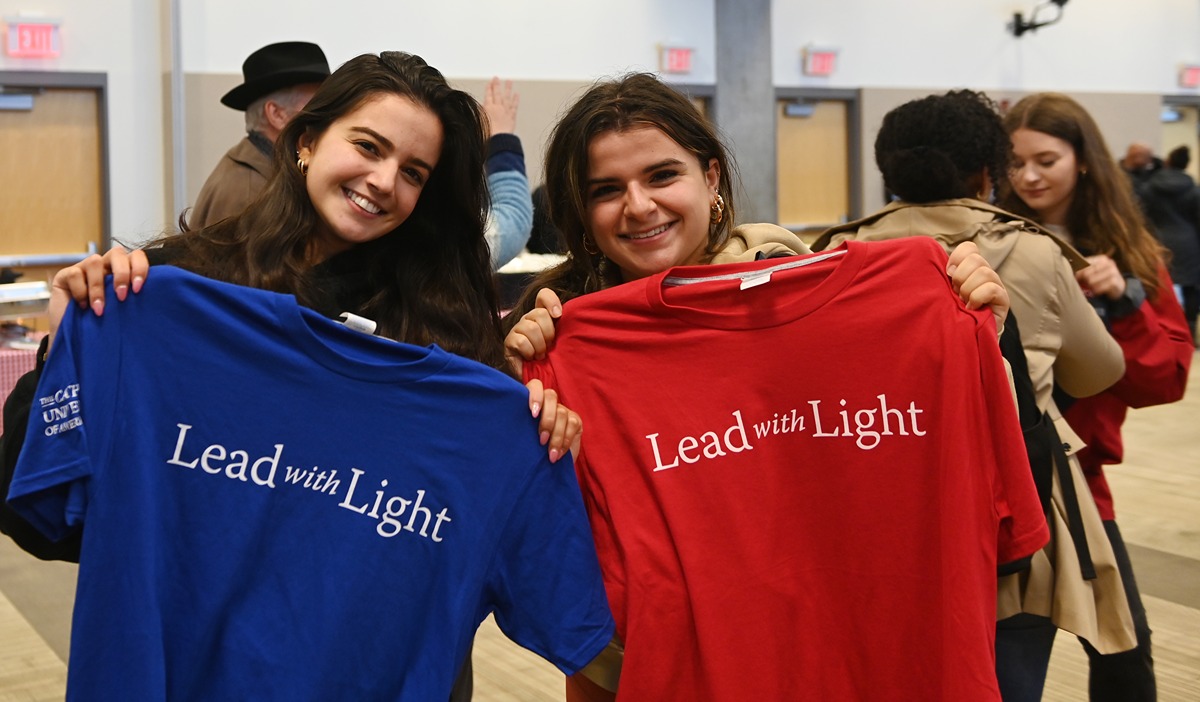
[[1103, 217], [628, 102], [427, 281]]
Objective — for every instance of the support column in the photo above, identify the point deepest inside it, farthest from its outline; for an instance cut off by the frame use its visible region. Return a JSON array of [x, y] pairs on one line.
[[744, 104]]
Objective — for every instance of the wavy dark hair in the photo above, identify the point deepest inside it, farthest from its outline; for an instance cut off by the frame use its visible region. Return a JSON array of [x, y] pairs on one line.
[[628, 102], [1103, 217], [427, 281], [938, 147]]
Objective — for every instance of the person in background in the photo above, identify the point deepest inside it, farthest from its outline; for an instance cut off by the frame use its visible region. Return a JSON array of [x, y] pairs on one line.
[[630, 154], [1172, 204], [277, 82], [943, 155], [510, 219], [1063, 176], [1139, 162], [545, 238]]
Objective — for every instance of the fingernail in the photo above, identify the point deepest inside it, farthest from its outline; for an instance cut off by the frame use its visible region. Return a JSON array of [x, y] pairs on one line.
[[122, 291], [535, 408], [557, 310], [137, 283], [544, 437], [554, 455], [98, 306]]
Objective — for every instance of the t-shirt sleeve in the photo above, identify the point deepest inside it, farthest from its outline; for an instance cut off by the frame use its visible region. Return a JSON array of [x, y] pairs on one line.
[[539, 370], [548, 593], [50, 480], [1023, 528], [608, 546]]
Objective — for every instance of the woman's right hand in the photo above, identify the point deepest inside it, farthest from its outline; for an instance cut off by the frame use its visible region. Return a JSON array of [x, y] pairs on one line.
[[84, 282], [531, 337], [976, 282]]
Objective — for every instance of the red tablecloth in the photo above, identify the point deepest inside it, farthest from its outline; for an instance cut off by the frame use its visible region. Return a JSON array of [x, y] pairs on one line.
[[14, 363]]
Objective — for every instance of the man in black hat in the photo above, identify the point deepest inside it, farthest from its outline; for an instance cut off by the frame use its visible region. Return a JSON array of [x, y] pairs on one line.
[[278, 81]]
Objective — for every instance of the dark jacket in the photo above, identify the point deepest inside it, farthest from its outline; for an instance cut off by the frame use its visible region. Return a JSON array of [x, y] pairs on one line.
[[1172, 205]]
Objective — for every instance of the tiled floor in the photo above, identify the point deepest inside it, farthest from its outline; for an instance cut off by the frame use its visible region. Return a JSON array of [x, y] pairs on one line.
[[1158, 507]]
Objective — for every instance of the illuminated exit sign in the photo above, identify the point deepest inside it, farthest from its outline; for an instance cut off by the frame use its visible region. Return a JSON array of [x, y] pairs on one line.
[[1189, 77], [819, 61], [675, 59], [32, 38]]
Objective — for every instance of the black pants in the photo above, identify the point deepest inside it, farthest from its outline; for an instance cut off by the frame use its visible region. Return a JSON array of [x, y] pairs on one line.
[[464, 684], [1191, 306], [1127, 676], [1024, 642]]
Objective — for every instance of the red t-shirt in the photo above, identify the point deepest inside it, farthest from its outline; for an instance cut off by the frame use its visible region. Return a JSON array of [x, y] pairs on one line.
[[801, 488]]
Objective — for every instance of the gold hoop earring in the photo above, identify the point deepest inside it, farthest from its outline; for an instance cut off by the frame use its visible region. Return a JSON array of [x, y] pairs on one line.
[[593, 249], [302, 165], [717, 210]]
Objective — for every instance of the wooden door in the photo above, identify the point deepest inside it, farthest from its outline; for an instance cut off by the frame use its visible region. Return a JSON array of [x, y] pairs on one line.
[[51, 179], [813, 164]]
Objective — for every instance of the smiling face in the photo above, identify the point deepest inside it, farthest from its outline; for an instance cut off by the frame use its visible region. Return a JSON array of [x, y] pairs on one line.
[[648, 201], [1044, 174], [367, 170]]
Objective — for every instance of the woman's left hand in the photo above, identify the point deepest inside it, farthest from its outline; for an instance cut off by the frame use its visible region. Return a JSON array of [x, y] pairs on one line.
[[1102, 278], [559, 427], [976, 282]]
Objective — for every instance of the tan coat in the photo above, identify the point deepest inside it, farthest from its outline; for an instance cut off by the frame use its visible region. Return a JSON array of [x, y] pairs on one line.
[[746, 241], [1065, 342], [237, 180]]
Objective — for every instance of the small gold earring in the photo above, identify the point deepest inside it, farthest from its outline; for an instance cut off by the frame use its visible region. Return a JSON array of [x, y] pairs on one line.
[[717, 211], [593, 249], [302, 165]]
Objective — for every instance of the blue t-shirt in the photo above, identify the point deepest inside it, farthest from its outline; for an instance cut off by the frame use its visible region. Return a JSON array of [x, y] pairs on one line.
[[280, 508]]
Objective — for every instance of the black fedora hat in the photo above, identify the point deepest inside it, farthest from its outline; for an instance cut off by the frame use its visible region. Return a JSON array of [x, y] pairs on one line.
[[277, 66]]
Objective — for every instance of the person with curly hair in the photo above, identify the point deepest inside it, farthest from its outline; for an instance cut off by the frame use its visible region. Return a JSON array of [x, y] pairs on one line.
[[1064, 177], [942, 155]]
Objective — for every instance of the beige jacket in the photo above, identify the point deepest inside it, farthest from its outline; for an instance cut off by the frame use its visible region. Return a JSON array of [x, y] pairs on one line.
[[1065, 342], [1064, 339], [746, 241]]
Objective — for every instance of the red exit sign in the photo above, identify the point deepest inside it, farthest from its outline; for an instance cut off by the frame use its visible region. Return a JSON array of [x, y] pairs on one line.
[[32, 38], [819, 62], [1189, 77], [675, 59]]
